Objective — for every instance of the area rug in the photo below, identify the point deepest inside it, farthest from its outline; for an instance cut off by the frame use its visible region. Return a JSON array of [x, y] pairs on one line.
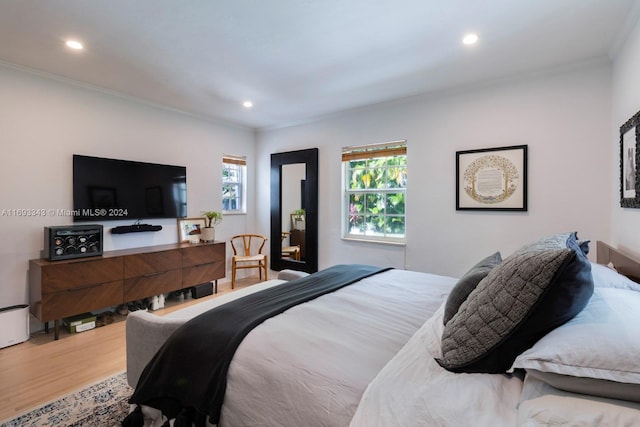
[[103, 404]]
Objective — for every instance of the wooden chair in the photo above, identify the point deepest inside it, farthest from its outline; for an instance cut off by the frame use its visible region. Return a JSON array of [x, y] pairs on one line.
[[290, 251], [247, 253]]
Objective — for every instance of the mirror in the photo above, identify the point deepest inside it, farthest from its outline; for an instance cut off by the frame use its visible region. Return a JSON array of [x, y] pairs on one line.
[[294, 205]]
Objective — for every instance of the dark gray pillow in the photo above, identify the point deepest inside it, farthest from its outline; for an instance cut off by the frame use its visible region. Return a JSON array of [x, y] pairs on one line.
[[532, 292], [468, 283]]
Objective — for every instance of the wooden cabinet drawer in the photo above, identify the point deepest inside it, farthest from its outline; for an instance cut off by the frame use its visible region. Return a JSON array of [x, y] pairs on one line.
[[74, 301], [204, 254], [152, 262], [152, 284], [71, 275], [192, 276]]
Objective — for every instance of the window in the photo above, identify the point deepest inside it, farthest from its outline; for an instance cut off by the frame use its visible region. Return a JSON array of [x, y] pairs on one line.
[[375, 183], [234, 171]]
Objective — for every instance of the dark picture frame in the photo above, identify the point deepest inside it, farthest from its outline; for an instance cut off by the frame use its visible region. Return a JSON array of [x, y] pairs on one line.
[[492, 179], [629, 162]]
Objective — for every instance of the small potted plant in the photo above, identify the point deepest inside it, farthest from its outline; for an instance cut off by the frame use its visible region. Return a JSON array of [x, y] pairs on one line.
[[209, 231]]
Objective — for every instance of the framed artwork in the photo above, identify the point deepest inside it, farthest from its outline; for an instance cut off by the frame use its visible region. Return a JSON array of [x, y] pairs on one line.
[[629, 162], [492, 179], [189, 229]]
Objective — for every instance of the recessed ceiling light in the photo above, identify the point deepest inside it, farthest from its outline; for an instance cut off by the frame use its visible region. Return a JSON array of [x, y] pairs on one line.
[[247, 104], [470, 39], [74, 44]]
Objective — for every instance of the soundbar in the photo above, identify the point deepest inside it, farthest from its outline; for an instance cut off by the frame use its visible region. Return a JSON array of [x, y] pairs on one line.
[[137, 228]]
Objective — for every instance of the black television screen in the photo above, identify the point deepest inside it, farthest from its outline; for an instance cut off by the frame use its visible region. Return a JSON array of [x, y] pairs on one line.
[[110, 189]]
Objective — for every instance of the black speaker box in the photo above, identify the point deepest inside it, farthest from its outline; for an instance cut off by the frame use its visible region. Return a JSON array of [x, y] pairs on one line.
[[202, 290], [72, 241]]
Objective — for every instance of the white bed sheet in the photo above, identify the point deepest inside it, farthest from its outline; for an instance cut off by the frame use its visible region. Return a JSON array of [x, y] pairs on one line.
[[310, 365], [413, 390]]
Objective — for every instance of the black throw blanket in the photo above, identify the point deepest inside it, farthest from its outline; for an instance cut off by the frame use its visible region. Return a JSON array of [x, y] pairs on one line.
[[188, 375]]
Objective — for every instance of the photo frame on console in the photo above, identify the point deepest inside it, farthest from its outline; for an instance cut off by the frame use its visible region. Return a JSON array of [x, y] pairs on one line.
[[493, 179], [629, 162], [189, 229]]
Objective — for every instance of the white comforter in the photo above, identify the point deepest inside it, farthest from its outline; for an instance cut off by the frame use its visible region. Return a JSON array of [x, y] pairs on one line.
[[310, 365], [413, 390]]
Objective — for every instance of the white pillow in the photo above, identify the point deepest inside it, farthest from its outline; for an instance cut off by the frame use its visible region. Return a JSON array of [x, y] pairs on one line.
[[602, 342], [606, 277]]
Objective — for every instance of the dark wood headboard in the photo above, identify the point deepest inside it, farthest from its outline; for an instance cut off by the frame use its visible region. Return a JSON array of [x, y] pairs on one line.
[[626, 265]]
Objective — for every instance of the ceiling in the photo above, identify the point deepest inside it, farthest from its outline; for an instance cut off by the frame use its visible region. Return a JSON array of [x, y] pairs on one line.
[[301, 59]]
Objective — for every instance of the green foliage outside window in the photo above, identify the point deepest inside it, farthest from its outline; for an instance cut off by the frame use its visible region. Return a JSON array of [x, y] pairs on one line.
[[376, 191]]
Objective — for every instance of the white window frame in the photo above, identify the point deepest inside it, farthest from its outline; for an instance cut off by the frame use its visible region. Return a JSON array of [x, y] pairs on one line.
[[368, 152], [238, 163]]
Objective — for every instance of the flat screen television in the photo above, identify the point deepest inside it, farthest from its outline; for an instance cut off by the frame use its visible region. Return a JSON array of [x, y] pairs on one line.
[[111, 189]]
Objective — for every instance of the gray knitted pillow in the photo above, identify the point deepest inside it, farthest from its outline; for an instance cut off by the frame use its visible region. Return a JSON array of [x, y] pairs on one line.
[[556, 241], [529, 294]]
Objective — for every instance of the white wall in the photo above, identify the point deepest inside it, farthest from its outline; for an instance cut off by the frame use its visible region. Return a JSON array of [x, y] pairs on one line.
[[563, 117], [625, 223], [44, 121]]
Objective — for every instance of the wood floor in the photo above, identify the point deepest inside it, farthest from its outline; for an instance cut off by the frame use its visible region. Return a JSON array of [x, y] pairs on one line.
[[41, 369]]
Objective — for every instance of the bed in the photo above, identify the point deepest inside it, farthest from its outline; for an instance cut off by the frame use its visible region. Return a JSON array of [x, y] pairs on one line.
[[379, 352]]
